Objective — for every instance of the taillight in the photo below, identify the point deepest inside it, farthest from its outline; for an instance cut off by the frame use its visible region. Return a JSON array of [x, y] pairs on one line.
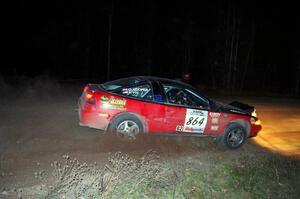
[[89, 97]]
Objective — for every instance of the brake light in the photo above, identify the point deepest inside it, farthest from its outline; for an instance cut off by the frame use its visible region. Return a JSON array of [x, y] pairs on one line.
[[89, 97]]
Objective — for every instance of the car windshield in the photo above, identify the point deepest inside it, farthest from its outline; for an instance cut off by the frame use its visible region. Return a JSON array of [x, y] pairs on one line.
[[184, 96]]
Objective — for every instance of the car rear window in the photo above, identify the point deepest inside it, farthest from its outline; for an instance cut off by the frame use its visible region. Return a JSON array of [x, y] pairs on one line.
[[130, 87], [143, 91]]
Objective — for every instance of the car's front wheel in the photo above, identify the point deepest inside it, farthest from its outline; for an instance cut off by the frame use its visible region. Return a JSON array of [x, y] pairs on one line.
[[126, 125], [234, 136]]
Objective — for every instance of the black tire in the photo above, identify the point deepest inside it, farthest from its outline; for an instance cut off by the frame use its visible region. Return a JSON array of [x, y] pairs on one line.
[[126, 120], [233, 137]]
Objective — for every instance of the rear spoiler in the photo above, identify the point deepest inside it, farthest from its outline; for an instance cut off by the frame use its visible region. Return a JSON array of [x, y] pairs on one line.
[[245, 107]]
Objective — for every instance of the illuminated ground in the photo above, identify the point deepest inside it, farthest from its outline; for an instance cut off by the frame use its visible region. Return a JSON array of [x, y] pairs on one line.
[[280, 119], [281, 127]]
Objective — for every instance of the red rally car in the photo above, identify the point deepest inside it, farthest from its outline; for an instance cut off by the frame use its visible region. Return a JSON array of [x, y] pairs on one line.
[[144, 104]]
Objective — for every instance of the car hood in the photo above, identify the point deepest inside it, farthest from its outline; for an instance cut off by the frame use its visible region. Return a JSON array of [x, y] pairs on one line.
[[234, 107]]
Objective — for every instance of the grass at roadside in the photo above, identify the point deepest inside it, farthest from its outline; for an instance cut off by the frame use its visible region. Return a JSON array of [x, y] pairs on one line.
[[198, 176], [247, 177]]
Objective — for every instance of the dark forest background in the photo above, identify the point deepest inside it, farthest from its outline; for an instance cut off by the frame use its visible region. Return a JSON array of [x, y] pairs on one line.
[[233, 46]]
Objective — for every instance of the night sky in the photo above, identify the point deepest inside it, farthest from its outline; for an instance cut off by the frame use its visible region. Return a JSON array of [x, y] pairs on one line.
[[224, 45]]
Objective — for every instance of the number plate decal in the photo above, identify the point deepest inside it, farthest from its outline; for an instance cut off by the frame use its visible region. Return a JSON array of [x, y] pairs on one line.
[[195, 121]]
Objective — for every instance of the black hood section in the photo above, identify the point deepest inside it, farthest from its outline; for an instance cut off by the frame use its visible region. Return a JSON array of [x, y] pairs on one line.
[[234, 107], [245, 107]]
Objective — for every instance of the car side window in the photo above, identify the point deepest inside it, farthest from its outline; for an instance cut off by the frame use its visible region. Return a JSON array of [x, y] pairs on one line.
[[143, 91], [181, 96]]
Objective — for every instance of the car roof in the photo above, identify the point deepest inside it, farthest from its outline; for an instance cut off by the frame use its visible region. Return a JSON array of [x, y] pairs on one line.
[[162, 79], [175, 83]]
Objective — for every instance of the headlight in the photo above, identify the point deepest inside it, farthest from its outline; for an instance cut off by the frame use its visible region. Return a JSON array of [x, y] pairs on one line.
[[255, 121], [254, 113]]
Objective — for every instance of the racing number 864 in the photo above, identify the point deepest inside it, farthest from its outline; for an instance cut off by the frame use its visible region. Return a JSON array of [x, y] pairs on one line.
[[193, 121]]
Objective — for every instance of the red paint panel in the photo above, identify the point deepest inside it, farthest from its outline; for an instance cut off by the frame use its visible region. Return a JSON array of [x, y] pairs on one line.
[[175, 117]]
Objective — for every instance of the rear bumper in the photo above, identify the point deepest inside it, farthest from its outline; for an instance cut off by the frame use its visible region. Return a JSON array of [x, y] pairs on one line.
[[90, 117]]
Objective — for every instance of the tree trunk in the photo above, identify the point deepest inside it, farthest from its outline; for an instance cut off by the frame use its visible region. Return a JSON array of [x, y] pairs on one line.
[[251, 45], [87, 49], [229, 80], [235, 56]]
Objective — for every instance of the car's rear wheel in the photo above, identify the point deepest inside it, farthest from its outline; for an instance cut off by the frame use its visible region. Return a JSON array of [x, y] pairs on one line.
[[234, 136], [126, 125]]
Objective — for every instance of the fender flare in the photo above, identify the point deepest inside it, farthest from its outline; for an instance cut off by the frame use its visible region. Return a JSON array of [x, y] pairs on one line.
[[244, 123], [141, 118]]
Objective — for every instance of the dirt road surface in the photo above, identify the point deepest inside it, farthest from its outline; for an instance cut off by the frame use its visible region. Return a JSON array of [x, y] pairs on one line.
[[281, 126], [37, 128]]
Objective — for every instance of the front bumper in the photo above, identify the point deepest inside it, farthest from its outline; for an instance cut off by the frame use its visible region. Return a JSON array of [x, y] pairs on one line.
[[254, 130]]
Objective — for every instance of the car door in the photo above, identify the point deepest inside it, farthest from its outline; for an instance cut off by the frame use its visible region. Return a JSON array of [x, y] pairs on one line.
[[156, 110], [145, 100], [185, 110]]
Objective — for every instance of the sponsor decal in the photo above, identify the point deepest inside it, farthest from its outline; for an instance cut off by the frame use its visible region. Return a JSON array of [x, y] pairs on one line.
[[214, 117], [213, 114], [104, 98], [117, 102], [190, 129], [195, 120], [137, 91], [103, 115], [195, 112], [113, 103], [125, 91], [121, 108], [179, 128], [215, 120], [214, 128]]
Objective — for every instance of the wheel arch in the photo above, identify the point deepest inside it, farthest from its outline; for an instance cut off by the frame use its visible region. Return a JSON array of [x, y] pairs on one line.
[[140, 117], [243, 123]]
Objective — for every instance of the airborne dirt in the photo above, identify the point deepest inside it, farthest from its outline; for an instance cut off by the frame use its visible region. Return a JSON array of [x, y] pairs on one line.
[[38, 128]]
